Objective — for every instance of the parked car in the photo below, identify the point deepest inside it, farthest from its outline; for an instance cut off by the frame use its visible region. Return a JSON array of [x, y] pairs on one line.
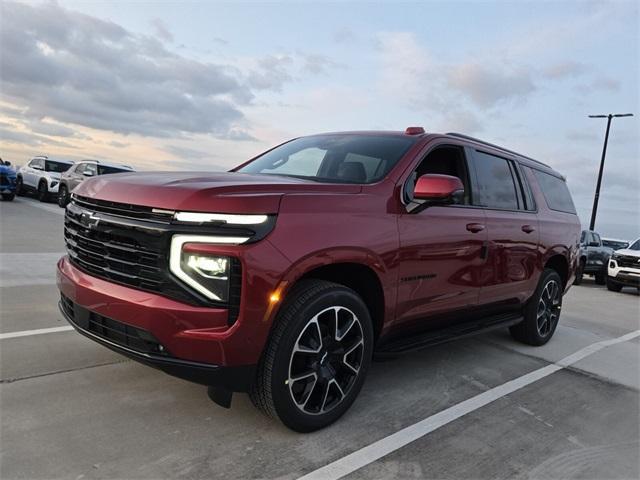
[[41, 175], [283, 276], [7, 181], [624, 268], [594, 257], [83, 170], [614, 243]]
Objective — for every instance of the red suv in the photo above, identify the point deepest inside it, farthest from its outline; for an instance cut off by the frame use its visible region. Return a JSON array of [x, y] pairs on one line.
[[282, 277]]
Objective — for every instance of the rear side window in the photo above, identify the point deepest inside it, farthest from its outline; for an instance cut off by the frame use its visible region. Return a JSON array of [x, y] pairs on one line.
[[555, 192], [496, 185]]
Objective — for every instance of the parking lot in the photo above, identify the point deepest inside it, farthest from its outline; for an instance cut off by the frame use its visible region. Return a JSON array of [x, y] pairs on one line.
[[486, 407]]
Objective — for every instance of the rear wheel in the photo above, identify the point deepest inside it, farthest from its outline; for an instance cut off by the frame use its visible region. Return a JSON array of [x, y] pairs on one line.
[[612, 285], [542, 312], [63, 197], [317, 357], [43, 191]]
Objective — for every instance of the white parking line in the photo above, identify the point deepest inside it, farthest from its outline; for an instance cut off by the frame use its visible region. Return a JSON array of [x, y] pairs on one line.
[[41, 331], [395, 441], [28, 269], [43, 206]]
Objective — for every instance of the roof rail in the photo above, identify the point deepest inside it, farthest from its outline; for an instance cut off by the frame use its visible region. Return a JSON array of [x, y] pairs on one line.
[[493, 145]]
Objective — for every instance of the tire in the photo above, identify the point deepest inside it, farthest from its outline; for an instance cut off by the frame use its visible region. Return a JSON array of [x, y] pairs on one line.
[[19, 187], [601, 278], [43, 191], [579, 273], [542, 312], [301, 342], [613, 286], [63, 196], [8, 197]]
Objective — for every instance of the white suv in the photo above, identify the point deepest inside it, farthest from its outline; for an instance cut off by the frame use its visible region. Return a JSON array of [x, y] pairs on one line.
[[42, 176], [624, 268]]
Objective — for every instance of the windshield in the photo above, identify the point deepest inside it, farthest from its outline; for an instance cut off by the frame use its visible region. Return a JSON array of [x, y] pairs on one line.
[[334, 158], [615, 244], [104, 170], [635, 245], [51, 166]]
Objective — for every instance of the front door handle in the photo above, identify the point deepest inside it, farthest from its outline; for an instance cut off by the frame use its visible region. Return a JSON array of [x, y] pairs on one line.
[[475, 227], [528, 229]]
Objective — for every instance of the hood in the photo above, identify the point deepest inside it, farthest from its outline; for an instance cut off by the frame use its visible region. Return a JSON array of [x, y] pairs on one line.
[[227, 192], [626, 251], [7, 170]]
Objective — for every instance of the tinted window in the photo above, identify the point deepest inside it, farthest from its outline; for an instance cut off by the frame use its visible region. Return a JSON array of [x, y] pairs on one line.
[[496, 185], [104, 170], [51, 166], [555, 191], [36, 162], [615, 244], [334, 158], [635, 245]]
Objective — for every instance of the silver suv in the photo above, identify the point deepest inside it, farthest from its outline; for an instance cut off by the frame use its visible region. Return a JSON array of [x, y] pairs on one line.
[[83, 170]]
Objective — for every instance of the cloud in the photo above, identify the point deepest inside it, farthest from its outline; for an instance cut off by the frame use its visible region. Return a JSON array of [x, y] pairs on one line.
[[317, 64], [565, 69], [486, 85], [186, 152], [344, 35], [272, 73], [117, 144], [90, 72], [161, 30]]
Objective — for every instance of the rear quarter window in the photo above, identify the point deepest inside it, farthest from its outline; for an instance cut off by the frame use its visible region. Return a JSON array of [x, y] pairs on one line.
[[555, 191]]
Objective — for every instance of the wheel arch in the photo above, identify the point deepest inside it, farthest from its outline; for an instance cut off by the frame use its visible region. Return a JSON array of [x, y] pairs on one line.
[[560, 264], [357, 269]]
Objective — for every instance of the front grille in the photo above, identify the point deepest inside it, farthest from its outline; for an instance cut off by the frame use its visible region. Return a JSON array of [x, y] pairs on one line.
[[124, 209], [628, 261], [135, 252], [129, 255], [7, 180], [112, 330]]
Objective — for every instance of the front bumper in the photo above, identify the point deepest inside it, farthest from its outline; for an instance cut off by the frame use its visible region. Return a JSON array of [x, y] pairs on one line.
[[623, 275], [201, 347], [232, 378]]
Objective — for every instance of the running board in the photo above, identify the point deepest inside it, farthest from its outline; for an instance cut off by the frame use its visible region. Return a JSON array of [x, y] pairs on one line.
[[435, 337]]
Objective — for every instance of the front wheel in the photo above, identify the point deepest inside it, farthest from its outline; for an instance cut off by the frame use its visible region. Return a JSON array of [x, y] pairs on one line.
[[542, 312], [579, 273], [19, 187], [317, 357], [43, 191], [612, 285], [63, 197]]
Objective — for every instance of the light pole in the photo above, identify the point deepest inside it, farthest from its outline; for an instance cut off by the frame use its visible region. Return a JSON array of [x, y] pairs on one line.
[[604, 153]]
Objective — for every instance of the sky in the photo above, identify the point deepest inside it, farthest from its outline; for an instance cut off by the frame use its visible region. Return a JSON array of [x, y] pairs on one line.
[[166, 85]]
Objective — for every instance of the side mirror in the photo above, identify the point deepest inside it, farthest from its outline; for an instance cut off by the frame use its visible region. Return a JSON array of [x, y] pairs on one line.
[[439, 188]]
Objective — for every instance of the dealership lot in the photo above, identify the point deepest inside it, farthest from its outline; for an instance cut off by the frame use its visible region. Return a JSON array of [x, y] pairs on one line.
[[73, 409]]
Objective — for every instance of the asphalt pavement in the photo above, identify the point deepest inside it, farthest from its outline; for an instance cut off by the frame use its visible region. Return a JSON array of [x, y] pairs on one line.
[[485, 407]]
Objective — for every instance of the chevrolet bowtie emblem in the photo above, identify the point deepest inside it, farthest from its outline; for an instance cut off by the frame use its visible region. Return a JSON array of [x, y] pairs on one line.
[[89, 220]]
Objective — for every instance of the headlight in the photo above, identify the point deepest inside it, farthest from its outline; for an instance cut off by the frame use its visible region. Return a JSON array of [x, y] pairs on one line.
[[205, 273]]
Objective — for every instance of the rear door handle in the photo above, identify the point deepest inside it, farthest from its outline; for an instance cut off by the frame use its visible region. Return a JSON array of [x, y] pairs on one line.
[[475, 227], [528, 229]]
